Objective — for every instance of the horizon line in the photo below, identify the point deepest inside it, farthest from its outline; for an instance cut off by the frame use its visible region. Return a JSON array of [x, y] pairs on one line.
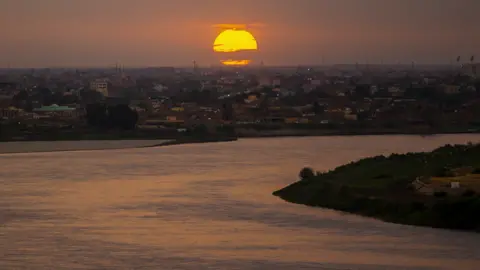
[[220, 66]]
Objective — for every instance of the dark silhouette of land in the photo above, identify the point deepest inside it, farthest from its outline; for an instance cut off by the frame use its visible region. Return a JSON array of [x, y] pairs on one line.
[[436, 189]]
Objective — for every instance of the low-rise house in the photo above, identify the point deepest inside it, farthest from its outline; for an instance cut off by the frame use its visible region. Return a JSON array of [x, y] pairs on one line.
[[291, 120], [56, 110], [395, 91], [351, 117], [450, 89], [10, 113]]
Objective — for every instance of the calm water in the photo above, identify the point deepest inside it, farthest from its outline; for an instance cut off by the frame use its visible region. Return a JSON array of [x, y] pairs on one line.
[[206, 206]]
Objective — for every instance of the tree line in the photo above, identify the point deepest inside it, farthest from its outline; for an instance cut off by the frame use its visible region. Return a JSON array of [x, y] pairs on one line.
[[119, 116]]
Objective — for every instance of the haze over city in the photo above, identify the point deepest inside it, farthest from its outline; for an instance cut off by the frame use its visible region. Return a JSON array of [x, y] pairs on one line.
[[240, 134], [90, 33]]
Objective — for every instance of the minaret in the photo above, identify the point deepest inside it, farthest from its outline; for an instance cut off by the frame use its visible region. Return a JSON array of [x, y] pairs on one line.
[[195, 67]]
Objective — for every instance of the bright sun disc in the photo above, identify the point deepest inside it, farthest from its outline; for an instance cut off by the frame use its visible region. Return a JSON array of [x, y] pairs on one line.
[[233, 40]]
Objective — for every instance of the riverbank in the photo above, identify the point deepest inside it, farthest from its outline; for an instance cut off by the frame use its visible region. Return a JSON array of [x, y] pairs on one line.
[[384, 188], [195, 140], [90, 145], [85, 145], [250, 133]]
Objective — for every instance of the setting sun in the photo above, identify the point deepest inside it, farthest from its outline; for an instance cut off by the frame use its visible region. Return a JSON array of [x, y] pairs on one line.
[[232, 41]]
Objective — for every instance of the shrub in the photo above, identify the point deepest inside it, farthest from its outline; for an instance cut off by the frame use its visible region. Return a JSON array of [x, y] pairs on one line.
[[444, 172], [411, 187], [440, 194], [306, 173], [382, 176], [476, 171], [469, 193], [344, 191], [417, 206]]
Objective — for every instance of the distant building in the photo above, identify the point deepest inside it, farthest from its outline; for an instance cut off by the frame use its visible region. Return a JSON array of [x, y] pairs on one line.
[[351, 117], [251, 98], [10, 113], [451, 89], [171, 118], [471, 69], [100, 85], [56, 110], [178, 109], [316, 82], [160, 87], [264, 81], [276, 82], [5, 101]]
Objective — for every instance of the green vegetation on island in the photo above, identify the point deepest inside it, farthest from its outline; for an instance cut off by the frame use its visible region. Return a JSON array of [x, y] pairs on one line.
[[435, 189]]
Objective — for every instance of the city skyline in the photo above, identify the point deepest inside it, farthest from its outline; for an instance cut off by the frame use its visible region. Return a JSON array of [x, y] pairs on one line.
[[55, 33]]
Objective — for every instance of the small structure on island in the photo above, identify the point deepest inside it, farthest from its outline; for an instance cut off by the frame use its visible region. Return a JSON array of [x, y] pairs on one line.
[[422, 187], [455, 185], [462, 171]]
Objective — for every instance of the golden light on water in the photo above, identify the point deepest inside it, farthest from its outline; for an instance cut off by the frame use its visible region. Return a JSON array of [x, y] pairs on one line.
[[232, 41]]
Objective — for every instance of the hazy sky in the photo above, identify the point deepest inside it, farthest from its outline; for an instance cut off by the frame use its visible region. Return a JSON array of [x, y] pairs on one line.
[[39, 33]]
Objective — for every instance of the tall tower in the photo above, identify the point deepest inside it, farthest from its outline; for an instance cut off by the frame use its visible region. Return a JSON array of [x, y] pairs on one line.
[[195, 67]]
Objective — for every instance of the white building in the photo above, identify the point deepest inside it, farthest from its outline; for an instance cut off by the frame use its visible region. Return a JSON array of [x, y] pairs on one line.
[[161, 88], [100, 85]]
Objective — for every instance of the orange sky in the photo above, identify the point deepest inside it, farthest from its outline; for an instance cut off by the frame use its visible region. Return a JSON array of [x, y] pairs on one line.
[[37, 33]]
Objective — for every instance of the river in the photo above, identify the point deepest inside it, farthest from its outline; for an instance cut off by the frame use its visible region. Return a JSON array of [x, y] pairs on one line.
[[207, 206]]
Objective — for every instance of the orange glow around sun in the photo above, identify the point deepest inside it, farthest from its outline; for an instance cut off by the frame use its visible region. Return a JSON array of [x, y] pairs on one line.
[[232, 41]]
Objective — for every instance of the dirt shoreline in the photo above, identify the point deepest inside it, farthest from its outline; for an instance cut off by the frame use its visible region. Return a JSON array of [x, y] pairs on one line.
[[95, 145], [81, 145]]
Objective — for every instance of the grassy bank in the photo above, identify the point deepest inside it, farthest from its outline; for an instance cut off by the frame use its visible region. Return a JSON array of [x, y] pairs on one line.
[[382, 187]]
